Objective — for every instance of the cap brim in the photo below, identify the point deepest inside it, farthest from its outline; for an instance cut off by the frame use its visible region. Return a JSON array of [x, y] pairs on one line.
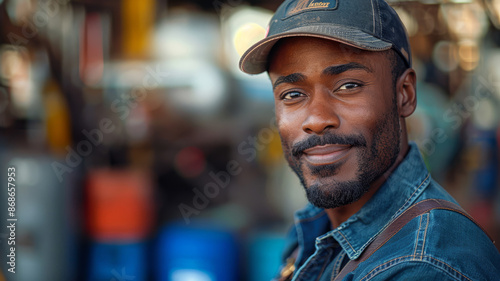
[[254, 60]]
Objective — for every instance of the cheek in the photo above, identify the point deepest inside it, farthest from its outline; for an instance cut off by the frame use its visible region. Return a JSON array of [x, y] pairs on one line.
[[285, 131], [362, 116], [365, 115], [288, 124]]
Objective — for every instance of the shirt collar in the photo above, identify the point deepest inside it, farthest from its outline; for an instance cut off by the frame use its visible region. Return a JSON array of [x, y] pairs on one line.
[[399, 192]]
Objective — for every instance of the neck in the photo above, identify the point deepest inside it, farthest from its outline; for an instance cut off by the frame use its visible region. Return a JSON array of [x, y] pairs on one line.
[[340, 214]]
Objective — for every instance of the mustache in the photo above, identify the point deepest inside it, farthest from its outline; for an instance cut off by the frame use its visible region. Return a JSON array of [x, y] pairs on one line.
[[328, 138]]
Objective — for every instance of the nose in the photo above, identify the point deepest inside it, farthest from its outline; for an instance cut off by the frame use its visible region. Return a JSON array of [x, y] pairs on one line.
[[321, 116]]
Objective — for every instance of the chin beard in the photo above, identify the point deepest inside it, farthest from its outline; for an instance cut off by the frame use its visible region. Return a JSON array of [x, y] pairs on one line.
[[336, 194]]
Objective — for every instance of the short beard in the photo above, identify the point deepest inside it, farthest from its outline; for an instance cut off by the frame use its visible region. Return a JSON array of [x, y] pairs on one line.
[[374, 161], [342, 193]]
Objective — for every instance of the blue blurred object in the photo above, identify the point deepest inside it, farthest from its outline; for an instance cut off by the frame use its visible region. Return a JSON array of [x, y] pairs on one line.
[[265, 250], [117, 261], [196, 253], [484, 147]]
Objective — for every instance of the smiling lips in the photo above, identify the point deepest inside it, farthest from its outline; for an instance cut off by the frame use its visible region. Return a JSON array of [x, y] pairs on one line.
[[326, 154]]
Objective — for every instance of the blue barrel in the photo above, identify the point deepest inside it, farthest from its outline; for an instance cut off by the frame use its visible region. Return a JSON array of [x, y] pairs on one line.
[[118, 261], [198, 253]]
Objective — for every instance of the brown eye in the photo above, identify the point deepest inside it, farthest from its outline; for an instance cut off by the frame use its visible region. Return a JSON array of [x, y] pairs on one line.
[[349, 86], [292, 95]]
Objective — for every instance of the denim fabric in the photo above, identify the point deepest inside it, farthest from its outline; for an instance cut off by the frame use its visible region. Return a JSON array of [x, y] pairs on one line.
[[438, 245]]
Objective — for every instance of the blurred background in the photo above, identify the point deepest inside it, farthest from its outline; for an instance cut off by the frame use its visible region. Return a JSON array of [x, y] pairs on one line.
[[142, 153]]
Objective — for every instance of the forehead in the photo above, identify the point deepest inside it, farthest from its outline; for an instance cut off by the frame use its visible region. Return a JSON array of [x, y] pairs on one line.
[[304, 54]]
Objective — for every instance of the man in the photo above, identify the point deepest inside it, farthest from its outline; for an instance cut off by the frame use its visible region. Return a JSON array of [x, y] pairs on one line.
[[343, 86]]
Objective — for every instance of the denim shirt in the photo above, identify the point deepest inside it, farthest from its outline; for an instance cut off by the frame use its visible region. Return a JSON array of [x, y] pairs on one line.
[[438, 245]]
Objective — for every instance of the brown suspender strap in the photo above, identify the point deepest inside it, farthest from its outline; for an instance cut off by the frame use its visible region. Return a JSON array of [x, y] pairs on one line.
[[397, 224], [287, 270]]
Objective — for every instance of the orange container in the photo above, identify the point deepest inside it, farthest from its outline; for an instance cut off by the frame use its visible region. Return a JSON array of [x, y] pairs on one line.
[[119, 205]]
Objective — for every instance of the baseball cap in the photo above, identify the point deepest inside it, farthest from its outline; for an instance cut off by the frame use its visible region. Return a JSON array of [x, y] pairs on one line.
[[370, 25]]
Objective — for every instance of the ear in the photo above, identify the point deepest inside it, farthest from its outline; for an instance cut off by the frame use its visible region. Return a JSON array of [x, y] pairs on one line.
[[407, 93]]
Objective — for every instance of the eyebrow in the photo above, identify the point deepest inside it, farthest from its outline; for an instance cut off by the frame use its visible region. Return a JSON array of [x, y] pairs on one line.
[[292, 78], [337, 69], [331, 70]]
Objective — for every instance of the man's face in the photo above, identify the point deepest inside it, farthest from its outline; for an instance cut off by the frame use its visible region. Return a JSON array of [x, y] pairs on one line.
[[337, 115]]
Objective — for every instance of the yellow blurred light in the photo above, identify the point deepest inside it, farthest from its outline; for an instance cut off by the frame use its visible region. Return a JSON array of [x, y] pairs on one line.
[[137, 23], [242, 27], [465, 21], [247, 35], [11, 64], [57, 118], [469, 54], [15, 69], [445, 56]]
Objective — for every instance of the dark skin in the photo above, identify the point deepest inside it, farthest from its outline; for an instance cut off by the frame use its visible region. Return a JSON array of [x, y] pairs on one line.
[[324, 87]]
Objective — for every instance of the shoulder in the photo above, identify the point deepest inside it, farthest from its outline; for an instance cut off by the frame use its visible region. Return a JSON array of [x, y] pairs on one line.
[[438, 245]]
